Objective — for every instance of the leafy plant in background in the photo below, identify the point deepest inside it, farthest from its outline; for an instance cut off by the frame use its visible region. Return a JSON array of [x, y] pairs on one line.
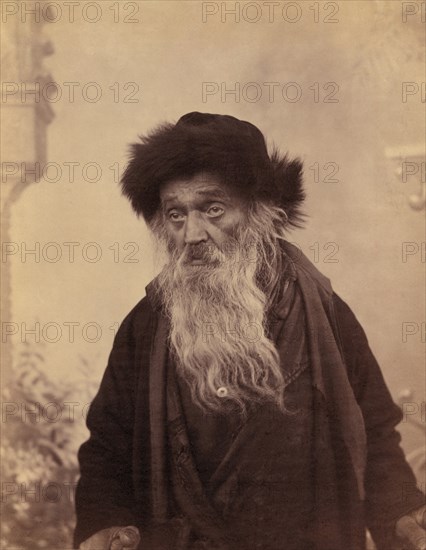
[[43, 425]]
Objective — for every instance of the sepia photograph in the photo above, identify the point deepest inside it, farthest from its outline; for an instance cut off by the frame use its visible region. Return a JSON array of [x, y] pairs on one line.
[[213, 298]]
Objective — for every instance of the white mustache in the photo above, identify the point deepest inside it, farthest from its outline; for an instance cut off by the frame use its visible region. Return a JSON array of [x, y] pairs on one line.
[[210, 253], [204, 252]]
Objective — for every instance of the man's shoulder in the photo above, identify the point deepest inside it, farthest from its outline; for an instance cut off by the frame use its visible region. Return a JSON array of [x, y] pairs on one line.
[[143, 307], [139, 318], [345, 315], [351, 334]]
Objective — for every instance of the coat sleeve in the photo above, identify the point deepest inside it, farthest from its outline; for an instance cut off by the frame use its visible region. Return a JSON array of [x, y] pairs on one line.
[[391, 489], [105, 495]]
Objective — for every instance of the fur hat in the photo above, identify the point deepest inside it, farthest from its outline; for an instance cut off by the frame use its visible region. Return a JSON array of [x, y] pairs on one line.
[[232, 149]]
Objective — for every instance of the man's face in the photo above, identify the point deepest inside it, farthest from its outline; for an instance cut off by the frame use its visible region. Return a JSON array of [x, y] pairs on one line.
[[200, 212]]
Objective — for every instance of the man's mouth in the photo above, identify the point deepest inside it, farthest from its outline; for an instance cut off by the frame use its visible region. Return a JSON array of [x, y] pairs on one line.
[[199, 255]]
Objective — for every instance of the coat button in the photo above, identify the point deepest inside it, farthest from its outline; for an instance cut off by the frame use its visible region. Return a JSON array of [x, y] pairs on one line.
[[222, 391]]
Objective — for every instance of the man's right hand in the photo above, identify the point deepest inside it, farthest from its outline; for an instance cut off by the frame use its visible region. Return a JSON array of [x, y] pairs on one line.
[[113, 538]]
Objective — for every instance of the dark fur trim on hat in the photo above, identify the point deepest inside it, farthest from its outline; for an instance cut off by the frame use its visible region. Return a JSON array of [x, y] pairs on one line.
[[222, 145], [288, 183]]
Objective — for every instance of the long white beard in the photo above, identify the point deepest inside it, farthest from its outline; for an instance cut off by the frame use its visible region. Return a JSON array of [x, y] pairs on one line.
[[218, 339]]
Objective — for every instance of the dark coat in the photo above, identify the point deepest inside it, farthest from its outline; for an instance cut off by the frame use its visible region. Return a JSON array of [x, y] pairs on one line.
[[360, 470]]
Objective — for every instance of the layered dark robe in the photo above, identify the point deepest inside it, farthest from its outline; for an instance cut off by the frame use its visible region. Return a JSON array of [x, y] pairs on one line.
[[313, 477]]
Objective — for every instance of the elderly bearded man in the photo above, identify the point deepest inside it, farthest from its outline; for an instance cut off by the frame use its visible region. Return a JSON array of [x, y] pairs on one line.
[[241, 408]]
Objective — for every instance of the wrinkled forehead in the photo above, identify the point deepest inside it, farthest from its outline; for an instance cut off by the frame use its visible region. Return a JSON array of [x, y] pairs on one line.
[[202, 185]]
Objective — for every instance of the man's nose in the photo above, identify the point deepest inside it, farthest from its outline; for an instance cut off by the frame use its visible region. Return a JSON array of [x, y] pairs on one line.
[[195, 231]]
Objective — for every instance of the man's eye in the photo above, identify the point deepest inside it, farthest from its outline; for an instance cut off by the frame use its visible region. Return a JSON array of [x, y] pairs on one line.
[[176, 216], [215, 211]]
